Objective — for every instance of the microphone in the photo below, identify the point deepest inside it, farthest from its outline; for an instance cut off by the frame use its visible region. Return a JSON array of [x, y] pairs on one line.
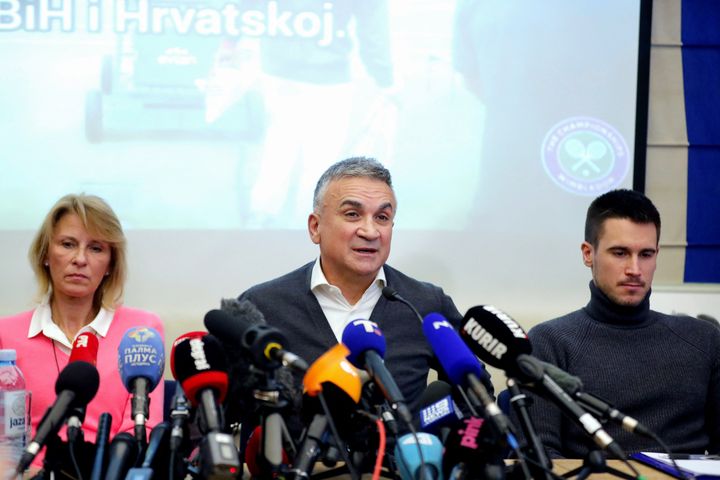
[[502, 343], [462, 367], [200, 367], [494, 337], [333, 375], [257, 465], [154, 456], [438, 409], [595, 405], [75, 386], [470, 452], [391, 294], [367, 349], [141, 361], [101, 446], [531, 369], [122, 455], [179, 414], [408, 450], [244, 324], [84, 349]]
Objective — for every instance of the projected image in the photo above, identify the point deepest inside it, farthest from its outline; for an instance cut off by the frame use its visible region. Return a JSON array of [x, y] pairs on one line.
[[208, 114]]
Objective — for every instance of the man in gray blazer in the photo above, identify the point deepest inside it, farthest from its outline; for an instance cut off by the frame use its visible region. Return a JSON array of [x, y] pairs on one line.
[[353, 213]]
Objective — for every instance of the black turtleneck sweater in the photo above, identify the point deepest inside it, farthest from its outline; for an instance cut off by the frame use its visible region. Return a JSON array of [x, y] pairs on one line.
[[660, 369]]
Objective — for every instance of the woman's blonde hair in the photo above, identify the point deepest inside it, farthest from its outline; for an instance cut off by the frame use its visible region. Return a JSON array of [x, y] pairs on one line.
[[99, 220]]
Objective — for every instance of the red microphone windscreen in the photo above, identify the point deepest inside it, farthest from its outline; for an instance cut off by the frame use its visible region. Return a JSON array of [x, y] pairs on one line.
[[85, 348], [199, 363], [253, 450]]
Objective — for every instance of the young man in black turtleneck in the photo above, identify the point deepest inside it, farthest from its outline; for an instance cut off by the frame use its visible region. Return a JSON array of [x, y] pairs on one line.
[[661, 369]]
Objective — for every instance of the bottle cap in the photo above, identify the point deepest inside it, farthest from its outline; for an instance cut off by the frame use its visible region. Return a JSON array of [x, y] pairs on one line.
[[8, 355]]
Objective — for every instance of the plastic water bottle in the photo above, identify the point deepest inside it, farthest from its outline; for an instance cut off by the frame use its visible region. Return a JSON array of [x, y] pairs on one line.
[[14, 408]]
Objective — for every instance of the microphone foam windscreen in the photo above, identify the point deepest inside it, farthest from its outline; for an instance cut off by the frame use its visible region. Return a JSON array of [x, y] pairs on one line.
[[437, 408], [141, 354], [434, 392], [455, 357], [182, 338], [199, 363], [85, 348], [493, 336], [360, 336], [407, 455], [253, 454], [233, 319], [79, 377], [332, 367]]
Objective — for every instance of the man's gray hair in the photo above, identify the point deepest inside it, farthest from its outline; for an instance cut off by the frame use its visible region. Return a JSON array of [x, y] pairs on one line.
[[350, 167]]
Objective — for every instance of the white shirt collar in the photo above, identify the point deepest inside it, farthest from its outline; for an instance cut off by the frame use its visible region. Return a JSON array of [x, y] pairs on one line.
[[336, 308], [318, 277], [41, 322]]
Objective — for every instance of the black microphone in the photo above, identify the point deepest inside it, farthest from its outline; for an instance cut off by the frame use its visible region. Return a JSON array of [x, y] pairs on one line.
[[494, 337], [85, 348], [438, 410], [367, 348], [122, 455], [391, 294], [179, 415], [101, 446], [155, 453], [75, 386], [498, 340], [241, 321], [199, 364], [595, 405], [531, 369], [472, 451]]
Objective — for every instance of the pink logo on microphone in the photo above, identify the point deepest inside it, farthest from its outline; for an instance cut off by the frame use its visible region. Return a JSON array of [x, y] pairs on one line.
[[471, 432]]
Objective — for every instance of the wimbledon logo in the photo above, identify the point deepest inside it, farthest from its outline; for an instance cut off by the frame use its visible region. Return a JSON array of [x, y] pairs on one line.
[[586, 156]]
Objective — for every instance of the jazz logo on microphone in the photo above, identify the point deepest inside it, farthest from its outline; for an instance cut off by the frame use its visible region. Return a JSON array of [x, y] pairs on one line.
[[197, 352]]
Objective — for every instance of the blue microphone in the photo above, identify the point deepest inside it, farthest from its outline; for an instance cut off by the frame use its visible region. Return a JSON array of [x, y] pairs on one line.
[[141, 360], [407, 454], [367, 348], [462, 367]]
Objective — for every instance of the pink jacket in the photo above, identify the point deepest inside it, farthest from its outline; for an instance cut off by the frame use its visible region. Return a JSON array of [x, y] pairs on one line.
[[36, 359]]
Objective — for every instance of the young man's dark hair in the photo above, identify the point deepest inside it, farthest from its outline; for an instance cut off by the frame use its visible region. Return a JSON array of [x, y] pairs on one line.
[[622, 203]]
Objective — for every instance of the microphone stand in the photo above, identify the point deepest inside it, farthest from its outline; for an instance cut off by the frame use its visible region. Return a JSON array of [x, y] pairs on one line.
[[540, 464], [594, 462], [270, 403]]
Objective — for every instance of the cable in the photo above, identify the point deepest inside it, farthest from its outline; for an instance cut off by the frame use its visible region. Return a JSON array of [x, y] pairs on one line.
[[74, 460], [381, 449], [343, 451], [681, 473]]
